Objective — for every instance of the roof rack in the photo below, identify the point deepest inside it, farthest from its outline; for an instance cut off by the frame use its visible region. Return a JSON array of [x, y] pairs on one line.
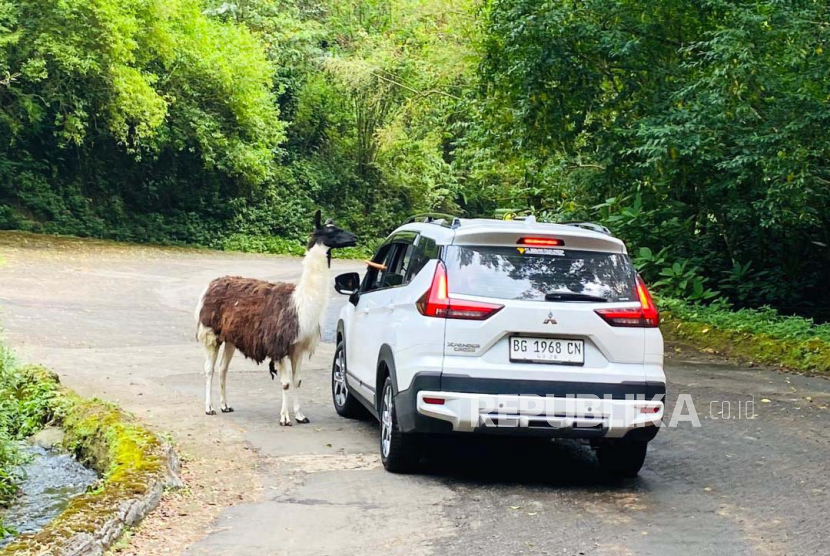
[[593, 226], [445, 220]]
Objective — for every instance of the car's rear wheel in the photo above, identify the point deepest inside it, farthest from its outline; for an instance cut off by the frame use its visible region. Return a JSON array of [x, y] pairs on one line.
[[622, 459], [345, 404], [399, 452]]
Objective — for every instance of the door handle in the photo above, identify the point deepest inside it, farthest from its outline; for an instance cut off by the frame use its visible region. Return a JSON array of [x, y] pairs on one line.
[[365, 310]]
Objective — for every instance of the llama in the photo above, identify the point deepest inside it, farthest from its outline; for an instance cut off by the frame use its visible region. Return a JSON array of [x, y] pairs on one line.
[[265, 320]]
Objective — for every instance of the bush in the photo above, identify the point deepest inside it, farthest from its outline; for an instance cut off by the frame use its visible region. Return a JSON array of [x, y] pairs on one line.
[[262, 244], [765, 320], [761, 335], [26, 403]]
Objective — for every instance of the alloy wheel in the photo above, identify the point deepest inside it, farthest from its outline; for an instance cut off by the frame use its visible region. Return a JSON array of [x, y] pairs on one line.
[[386, 422], [341, 391]]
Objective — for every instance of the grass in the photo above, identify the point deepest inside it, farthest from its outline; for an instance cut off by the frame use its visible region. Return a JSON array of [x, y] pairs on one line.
[[758, 335]]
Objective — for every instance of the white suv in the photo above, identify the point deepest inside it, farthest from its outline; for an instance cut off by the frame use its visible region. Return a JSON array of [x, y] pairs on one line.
[[512, 327]]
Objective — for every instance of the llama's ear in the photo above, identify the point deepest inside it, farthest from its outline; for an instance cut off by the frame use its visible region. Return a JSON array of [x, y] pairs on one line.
[[317, 216]]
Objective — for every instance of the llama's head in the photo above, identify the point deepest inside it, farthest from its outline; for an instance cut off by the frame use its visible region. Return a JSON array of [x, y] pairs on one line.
[[330, 235]]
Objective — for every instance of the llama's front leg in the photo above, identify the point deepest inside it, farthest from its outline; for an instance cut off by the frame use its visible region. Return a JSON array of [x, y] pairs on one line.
[[211, 352], [227, 355], [285, 379], [296, 364]]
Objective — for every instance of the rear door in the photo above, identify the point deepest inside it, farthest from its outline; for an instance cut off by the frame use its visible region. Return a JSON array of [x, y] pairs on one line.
[[548, 328]]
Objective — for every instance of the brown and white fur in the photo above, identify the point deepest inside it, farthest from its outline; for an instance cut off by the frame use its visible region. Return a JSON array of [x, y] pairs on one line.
[[278, 321]]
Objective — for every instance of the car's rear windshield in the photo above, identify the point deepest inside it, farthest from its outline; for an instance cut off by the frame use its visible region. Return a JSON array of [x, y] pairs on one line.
[[533, 273]]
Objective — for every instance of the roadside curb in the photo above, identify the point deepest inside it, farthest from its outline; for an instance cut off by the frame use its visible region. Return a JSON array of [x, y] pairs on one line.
[[135, 465]]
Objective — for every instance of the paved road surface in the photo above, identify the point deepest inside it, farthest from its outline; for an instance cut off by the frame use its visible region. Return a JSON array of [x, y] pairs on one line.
[[117, 322]]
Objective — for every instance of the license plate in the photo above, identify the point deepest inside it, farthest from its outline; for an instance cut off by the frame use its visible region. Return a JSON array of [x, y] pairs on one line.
[[547, 350]]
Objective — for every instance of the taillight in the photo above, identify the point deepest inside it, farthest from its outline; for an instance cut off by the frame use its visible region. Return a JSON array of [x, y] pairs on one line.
[[436, 301], [650, 314], [644, 316]]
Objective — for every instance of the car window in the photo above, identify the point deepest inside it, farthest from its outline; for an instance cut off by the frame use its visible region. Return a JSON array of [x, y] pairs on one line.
[[373, 277], [534, 273], [423, 253], [398, 261], [395, 259]]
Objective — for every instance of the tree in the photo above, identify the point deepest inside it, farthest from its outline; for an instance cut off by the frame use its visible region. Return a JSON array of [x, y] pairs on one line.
[[145, 101], [702, 120]]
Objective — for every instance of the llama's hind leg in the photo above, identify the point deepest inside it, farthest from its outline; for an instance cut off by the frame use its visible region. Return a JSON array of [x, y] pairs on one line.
[[285, 379], [227, 355], [296, 364], [211, 352]]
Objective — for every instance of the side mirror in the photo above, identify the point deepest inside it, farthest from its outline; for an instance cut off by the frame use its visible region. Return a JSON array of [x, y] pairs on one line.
[[347, 283]]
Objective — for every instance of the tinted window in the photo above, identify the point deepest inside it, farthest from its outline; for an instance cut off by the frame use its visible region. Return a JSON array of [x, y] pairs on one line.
[[374, 276], [424, 252], [396, 264], [395, 258], [524, 273]]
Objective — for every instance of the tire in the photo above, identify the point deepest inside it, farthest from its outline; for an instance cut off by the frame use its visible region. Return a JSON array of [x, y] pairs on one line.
[[399, 452], [345, 404], [622, 459]]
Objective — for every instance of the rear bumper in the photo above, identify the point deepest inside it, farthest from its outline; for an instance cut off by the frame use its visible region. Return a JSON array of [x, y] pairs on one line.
[[436, 404]]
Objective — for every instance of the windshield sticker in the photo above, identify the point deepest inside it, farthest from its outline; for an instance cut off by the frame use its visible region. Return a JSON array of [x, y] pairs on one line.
[[540, 251]]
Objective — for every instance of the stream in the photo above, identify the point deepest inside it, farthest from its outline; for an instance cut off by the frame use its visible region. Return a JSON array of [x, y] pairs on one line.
[[51, 480]]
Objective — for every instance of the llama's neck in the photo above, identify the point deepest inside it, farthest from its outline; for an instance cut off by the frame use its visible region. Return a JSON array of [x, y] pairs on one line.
[[311, 295]]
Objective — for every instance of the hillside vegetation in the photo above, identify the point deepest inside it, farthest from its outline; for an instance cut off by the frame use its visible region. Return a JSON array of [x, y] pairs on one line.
[[695, 130]]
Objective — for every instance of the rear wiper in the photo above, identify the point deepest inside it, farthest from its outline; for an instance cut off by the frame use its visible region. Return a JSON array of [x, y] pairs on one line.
[[569, 296]]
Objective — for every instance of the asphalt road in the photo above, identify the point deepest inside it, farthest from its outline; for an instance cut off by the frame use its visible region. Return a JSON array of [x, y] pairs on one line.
[[117, 322]]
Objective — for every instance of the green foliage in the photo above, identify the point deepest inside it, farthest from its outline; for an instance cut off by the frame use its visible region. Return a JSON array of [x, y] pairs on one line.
[[26, 401], [263, 244], [130, 120], [280, 246], [684, 280], [365, 250], [765, 320], [691, 126], [26, 404], [761, 335], [9, 455], [167, 130], [148, 76]]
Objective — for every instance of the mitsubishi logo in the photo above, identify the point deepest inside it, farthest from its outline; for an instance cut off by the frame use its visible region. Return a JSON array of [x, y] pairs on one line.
[[550, 319]]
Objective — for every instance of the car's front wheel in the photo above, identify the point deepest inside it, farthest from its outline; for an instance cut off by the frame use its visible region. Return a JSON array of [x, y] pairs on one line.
[[345, 404], [399, 452], [622, 459]]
